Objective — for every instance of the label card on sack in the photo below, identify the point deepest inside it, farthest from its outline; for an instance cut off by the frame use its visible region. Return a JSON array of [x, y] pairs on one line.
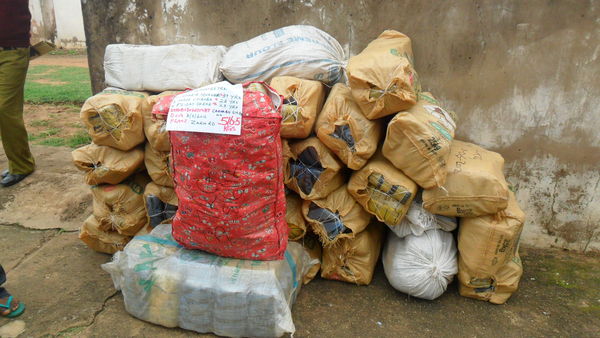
[[216, 109]]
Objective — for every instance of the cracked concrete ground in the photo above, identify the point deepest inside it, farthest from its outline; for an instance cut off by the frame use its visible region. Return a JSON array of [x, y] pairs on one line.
[[67, 293]]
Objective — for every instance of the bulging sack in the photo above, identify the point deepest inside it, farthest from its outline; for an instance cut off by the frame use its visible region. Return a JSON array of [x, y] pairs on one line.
[[103, 164], [418, 142], [99, 240], [382, 190], [487, 244], [120, 207], [421, 266], [353, 260], [335, 217], [230, 188], [301, 51], [418, 220], [311, 244], [293, 216], [382, 76], [114, 118], [165, 284], [154, 111], [160, 68], [302, 102], [343, 128], [475, 184], [160, 202], [157, 164], [311, 169]]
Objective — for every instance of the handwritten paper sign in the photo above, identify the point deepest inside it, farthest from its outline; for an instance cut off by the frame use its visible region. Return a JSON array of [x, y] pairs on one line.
[[215, 108]]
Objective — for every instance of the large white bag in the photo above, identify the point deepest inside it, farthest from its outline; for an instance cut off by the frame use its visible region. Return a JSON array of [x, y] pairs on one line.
[[168, 285], [301, 51], [421, 266], [418, 220], [160, 68]]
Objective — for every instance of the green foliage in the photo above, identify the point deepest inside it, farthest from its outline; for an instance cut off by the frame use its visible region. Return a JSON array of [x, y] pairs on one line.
[[57, 84]]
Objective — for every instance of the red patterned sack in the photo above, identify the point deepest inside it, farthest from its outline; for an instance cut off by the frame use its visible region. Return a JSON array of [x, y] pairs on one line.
[[230, 188]]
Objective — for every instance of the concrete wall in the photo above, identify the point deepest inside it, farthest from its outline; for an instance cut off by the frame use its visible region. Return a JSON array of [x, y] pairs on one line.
[[58, 21], [522, 76]]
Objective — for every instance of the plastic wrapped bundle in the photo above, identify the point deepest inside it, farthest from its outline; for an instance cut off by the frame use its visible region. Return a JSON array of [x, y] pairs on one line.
[[154, 111], [382, 190], [100, 240], [301, 51], [120, 207], [104, 164], [294, 218], [312, 170], [335, 217], [486, 245], [421, 266], [303, 100], [353, 260], [168, 285], [343, 128], [418, 142], [114, 118], [157, 164], [161, 203], [418, 220], [475, 184], [382, 76]]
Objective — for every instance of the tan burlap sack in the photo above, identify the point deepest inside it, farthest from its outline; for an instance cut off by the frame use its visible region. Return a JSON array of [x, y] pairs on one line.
[[382, 76], [114, 118], [486, 244], [121, 207], [103, 164], [383, 190], [293, 216], [343, 128], [353, 260], [418, 142], [311, 169], [157, 164], [155, 127], [501, 288], [303, 100], [475, 184], [311, 243], [165, 194], [336, 216], [99, 240]]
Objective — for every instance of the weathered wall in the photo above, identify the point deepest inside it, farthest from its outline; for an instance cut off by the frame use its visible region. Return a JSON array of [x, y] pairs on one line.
[[60, 22], [522, 76]]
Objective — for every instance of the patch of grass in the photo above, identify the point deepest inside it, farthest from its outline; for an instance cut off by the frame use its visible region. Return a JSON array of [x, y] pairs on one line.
[[40, 123], [52, 141], [78, 140], [57, 84]]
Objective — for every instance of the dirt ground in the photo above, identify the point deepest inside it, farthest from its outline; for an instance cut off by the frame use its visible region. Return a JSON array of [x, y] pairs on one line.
[[61, 60], [68, 295]]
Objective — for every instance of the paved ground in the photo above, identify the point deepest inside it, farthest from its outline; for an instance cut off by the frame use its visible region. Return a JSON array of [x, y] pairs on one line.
[[67, 294]]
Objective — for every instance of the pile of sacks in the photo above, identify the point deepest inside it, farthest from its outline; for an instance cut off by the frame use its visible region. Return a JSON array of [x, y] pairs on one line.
[[363, 149]]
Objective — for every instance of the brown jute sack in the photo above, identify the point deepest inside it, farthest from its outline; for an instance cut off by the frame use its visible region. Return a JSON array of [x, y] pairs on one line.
[[382, 76], [504, 285], [311, 169], [165, 194], [99, 240], [475, 184], [336, 216], [103, 164], [311, 243], [293, 216], [353, 260], [343, 128], [487, 243], [383, 190], [418, 142], [155, 127], [157, 164], [121, 207], [303, 100], [114, 118]]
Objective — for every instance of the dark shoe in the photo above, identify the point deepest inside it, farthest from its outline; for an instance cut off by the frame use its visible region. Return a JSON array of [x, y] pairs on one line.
[[4, 173], [12, 179]]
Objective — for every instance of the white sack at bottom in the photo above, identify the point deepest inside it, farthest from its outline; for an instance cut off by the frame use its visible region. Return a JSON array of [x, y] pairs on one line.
[[166, 284], [418, 220], [421, 266]]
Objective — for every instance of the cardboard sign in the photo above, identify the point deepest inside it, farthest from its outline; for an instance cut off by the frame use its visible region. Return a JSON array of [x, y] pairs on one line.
[[215, 109]]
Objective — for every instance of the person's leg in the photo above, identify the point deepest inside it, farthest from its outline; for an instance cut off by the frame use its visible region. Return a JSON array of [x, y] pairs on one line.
[[9, 306], [13, 69], [3, 293]]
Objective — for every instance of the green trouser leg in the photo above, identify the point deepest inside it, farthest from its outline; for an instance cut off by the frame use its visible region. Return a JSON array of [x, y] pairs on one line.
[[13, 69]]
